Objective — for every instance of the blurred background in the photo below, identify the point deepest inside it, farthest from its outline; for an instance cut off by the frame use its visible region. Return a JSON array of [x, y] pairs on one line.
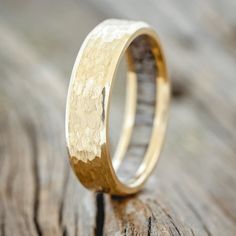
[[193, 190]]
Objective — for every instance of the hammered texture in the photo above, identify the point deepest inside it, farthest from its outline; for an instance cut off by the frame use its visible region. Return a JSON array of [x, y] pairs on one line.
[[90, 87]]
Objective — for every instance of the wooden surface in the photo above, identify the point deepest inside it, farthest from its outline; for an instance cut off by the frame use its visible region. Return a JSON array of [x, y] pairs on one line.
[[193, 189]]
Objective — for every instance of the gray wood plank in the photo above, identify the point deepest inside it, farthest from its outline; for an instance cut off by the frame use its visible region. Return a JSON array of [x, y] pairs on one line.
[[193, 189]]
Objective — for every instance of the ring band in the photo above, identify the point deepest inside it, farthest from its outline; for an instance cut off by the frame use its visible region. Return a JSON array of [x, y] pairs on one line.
[[88, 103]]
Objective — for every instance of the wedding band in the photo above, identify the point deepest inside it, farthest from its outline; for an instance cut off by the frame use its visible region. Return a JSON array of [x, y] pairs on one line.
[[88, 104]]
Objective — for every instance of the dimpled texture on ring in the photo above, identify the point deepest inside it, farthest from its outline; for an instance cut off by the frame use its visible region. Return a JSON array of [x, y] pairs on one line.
[[91, 86]]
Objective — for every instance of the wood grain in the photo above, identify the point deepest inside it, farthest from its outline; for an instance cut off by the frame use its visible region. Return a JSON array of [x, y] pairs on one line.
[[193, 190]]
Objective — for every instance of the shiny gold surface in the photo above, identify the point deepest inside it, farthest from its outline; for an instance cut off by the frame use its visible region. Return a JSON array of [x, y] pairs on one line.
[[87, 113]]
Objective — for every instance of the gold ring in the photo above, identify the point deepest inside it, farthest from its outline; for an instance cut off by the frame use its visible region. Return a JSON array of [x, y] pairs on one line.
[[88, 104]]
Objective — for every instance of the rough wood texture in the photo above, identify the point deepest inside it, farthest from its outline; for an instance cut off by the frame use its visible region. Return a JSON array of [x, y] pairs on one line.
[[193, 190]]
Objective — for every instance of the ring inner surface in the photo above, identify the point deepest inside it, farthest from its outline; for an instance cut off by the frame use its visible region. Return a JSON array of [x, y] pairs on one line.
[[136, 99]]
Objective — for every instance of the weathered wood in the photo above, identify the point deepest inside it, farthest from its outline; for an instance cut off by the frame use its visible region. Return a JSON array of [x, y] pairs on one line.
[[193, 190]]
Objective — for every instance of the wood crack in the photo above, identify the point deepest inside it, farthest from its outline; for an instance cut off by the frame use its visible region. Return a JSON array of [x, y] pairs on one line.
[[61, 207], [149, 225], [171, 221], [100, 216], [32, 137]]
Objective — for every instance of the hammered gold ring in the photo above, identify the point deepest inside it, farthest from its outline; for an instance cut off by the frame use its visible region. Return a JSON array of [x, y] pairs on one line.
[[89, 99]]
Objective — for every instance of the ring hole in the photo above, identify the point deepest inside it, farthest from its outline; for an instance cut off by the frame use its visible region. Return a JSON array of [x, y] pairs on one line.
[[132, 108], [117, 106]]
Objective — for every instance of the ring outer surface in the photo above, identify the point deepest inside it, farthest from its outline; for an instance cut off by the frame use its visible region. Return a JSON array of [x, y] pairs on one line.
[[88, 100]]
